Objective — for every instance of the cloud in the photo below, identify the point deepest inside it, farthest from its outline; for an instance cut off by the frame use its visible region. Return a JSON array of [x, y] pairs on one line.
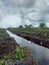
[[29, 10], [10, 21]]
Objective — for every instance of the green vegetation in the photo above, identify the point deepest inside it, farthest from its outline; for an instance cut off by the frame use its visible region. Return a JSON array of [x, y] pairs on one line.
[[6, 57], [29, 31], [41, 31], [3, 33], [42, 25], [2, 62], [19, 55]]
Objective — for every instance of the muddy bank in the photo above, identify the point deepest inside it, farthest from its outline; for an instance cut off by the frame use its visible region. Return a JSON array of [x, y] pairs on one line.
[[37, 51], [26, 60], [36, 39], [7, 45]]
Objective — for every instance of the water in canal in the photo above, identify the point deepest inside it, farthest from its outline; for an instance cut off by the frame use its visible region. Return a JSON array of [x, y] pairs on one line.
[[41, 54]]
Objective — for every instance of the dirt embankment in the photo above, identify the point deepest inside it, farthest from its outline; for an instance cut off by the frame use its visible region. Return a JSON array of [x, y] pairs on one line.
[[7, 45], [36, 39], [28, 59]]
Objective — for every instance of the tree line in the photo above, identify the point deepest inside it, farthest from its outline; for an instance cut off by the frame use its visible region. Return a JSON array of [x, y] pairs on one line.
[[41, 25]]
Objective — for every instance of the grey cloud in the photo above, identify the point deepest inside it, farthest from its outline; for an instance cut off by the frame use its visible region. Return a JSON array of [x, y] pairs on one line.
[[29, 3], [38, 8], [41, 11], [18, 3]]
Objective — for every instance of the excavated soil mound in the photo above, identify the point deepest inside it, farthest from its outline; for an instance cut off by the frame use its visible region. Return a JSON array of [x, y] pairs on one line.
[[7, 45]]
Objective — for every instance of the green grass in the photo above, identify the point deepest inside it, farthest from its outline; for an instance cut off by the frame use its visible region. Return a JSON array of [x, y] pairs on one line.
[[3, 33], [18, 55], [31, 31]]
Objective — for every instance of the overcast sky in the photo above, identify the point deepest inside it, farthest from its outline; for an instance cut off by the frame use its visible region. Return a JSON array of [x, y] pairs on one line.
[[20, 12]]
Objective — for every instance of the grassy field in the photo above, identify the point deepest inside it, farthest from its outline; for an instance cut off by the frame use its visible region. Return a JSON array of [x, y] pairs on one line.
[[3, 33], [42, 32]]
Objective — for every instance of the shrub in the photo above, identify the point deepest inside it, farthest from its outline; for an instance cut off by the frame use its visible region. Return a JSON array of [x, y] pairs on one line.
[[2, 62], [19, 53]]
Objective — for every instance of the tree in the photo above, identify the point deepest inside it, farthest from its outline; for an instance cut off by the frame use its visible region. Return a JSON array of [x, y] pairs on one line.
[[28, 26], [42, 25], [20, 26]]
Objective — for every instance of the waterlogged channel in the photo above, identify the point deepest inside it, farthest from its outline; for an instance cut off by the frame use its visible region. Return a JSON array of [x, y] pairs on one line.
[[41, 54]]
